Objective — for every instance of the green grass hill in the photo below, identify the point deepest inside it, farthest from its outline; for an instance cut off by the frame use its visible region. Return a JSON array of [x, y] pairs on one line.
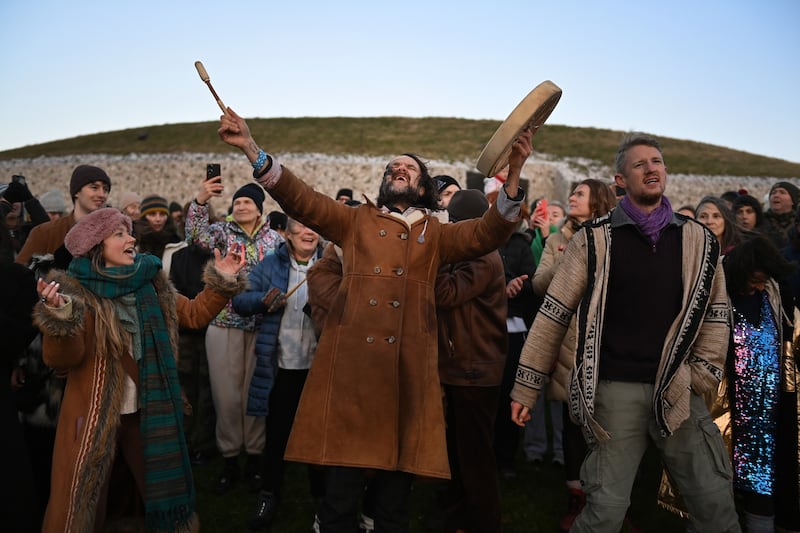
[[450, 139]]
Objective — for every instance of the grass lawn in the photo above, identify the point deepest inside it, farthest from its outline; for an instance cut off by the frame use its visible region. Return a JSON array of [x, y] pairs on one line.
[[532, 503]]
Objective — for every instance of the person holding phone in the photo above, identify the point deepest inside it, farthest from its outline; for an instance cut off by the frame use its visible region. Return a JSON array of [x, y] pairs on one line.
[[540, 227], [213, 170], [230, 338], [16, 200]]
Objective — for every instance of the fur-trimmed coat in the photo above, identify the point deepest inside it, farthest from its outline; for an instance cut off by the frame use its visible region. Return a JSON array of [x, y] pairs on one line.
[[90, 410]]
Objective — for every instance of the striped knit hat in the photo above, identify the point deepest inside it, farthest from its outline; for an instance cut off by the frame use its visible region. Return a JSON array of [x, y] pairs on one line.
[[154, 204]]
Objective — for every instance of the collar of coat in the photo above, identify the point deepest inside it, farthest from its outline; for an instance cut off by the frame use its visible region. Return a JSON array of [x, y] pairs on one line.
[[411, 214]]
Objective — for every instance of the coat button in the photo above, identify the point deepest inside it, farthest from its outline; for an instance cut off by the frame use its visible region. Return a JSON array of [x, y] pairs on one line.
[[377, 270], [404, 236], [399, 271], [391, 340], [382, 233], [373, 302], [370, 339], [395, 304]]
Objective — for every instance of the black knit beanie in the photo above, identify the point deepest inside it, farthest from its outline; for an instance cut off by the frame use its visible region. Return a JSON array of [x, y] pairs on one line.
[[791, 188], [254, 192], [443, 181], [466, 204], [84, 175]]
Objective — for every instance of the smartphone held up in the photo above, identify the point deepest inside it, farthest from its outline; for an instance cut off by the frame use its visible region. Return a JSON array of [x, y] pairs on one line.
[[213, 170], [541, 209]]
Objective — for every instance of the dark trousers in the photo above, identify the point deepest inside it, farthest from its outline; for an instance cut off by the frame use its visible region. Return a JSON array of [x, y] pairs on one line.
[[506, 433], [193, 376], [574, 446], [283, 401], [473, 500], [344, 488], [125, 481]]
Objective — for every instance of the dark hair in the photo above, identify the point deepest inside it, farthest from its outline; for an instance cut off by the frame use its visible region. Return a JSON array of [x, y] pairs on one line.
[[687, 207], [601, 199], [154, 242], [732, 235], [430, 198], [729, 196], [278, 220], [751, 201], [756, 254], [6, 243], [631, 140]]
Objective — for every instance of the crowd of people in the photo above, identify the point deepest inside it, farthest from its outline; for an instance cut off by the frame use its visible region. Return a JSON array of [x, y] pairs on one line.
[[408, 336]]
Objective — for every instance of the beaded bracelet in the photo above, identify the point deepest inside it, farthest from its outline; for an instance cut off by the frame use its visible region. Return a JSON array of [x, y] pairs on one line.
[[261, 160]]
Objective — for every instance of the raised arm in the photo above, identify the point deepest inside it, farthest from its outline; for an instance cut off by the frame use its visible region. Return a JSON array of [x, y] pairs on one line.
[[520, 151], [234, 130]]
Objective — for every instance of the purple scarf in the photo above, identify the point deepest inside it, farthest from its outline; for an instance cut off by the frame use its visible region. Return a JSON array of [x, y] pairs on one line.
[[652, 224]]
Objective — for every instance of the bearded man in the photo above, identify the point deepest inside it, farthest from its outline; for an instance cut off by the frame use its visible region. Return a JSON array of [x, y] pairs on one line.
[[372, 401]]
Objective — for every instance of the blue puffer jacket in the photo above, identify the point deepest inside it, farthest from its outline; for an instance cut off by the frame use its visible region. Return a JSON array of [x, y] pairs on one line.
[[273, 271]]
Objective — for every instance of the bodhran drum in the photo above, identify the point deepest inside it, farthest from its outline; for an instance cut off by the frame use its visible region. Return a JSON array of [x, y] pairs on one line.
[[532, 111]]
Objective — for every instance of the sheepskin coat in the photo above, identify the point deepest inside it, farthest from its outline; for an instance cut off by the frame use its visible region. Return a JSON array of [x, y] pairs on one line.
[[90, 411], [373, 398]]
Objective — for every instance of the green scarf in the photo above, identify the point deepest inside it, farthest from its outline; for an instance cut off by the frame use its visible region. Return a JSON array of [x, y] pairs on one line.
[[169, 486]]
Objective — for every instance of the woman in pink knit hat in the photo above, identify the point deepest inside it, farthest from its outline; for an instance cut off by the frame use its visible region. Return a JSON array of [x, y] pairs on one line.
[[110, 323]]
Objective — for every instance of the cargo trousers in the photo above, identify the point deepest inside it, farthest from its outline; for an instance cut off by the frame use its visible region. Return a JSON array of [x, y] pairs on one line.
[[694, 455]]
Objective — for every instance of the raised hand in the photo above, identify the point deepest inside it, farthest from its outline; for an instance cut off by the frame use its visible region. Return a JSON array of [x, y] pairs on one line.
[[209, 188], [233, 261], [521, 149], [48, 293]]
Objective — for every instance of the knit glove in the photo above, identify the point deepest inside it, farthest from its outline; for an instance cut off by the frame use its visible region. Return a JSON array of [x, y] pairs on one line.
[[274, 300], [17, 192]]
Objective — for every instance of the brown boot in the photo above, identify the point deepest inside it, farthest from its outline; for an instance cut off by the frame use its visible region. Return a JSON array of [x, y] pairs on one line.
[[576, 499]]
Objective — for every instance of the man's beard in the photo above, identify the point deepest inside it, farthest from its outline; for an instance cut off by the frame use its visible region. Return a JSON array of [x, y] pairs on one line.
[[390, 197], [649, 199]]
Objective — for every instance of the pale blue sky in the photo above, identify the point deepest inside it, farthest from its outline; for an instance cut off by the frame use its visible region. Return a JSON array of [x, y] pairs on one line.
[[721, 72]]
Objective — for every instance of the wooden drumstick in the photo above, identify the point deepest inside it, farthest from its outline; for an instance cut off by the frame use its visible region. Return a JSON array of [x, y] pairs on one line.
[[204, 76], [291, 291]]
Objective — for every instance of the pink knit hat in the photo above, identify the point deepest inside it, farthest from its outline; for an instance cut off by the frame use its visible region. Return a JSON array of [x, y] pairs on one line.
[[127, 198], [92, 229]]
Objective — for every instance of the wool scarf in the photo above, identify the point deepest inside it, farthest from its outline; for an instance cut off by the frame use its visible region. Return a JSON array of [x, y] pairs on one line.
[[169, 486], [649, 224]]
